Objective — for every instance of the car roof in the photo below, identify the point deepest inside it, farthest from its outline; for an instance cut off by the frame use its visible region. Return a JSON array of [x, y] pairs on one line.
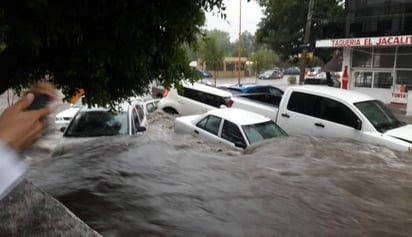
[[123, 107], [239, 116], [246, 87], [332, 92], [207, 89]]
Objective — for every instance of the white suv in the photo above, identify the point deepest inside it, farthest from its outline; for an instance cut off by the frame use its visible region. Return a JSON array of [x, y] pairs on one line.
[[194, 98]]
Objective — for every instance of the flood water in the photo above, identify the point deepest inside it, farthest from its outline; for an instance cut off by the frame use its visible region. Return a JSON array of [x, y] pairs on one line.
[[166, 184]]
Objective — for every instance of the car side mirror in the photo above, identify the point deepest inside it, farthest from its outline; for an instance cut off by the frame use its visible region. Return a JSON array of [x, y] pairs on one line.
[[140, 129], [240, 144], [358, 124], [62, 129]]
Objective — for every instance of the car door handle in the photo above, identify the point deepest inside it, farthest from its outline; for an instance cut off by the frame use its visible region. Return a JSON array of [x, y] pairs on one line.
[[285, 115], [197, 132], [319, 125]]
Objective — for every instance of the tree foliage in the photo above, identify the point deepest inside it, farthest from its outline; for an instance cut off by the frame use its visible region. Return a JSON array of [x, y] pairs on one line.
[[222, 39], [264, 59], [282, 27], [111, 49], [248, 44], [212, 54]]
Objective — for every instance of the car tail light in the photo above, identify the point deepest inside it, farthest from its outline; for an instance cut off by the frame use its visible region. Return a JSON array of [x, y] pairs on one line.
[[165, 92], [229, 103]]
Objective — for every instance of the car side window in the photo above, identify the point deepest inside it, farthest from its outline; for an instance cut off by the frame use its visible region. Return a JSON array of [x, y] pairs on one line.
[[258, 90], [135, 121], [232, 133], [210, 123], [140, 113], [150, 107], [274, 91], [304, 103], [337, 112], [206, 98], [188, 93]]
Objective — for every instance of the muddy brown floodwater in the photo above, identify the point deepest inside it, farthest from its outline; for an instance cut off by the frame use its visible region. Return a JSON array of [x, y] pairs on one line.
[[164, 184]]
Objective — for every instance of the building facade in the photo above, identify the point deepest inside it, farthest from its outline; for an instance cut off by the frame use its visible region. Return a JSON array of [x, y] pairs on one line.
[[377, 47]]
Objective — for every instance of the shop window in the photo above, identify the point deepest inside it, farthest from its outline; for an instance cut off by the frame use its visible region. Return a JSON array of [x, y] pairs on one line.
[[404, 77], [383, 80], [404, 57], [362, 58], [230, 67], [383, 57], [363, 79]]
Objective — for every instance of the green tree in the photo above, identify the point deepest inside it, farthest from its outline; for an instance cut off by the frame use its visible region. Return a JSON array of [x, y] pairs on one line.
[[212, 54], [263, 59], [248, 44], [282, 27], [222, 39], [111, 49]]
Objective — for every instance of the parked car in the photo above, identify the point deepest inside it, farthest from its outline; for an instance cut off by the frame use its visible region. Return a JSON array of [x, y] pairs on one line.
[[64, 117], [321, 80], [194, 98], [129, 119], [252, 88], [96, 124], [271, 74], [336, 113], [234, 127], [157, 89], [313, 72], [204, 73], [151, 105], [292, 71]]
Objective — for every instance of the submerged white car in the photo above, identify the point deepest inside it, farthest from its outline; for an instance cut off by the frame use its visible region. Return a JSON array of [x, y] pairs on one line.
[[64, 117], [231, 126]]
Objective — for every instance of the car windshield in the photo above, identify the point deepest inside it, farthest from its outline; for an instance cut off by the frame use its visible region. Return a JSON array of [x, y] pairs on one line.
[[98, 123], [268, 72], [258, 132], [381, 117]]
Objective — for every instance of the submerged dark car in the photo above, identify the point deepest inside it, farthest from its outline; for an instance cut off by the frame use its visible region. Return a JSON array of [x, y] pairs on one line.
[[321, 80], [292, 71], [271, 74], [204, 73]]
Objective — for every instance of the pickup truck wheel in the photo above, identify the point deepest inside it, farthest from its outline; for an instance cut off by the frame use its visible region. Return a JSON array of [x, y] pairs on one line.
[[170, 111]]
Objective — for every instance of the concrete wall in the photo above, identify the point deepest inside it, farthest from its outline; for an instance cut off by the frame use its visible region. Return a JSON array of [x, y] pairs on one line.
[[27, 211]]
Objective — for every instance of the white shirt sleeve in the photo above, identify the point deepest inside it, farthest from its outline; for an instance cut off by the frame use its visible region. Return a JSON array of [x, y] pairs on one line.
[[12, 169]]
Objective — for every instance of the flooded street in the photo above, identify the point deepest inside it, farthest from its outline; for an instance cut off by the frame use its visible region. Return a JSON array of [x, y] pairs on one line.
[[165, 184]]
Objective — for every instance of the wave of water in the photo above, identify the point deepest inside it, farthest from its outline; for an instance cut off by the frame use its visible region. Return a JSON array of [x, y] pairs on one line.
[[166, 184]]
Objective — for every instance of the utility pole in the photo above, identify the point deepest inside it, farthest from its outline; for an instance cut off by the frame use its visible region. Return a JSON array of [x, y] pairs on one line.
[[239, 46], [306, 41]]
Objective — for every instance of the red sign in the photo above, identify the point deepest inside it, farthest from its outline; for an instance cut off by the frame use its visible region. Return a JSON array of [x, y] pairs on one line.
[[365, 42]]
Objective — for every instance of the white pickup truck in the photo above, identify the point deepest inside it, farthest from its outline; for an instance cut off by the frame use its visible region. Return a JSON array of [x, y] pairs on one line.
[[333, 112]]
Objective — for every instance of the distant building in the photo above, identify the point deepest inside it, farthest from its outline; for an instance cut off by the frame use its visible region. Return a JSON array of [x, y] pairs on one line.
[[228, 69], [377, 47]]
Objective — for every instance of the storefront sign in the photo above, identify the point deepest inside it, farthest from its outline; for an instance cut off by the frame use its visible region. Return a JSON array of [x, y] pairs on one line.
[[365, 42], [399, 95]]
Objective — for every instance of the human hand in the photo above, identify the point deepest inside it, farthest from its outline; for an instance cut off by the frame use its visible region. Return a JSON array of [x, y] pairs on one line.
[[44, 88], [20, 128]]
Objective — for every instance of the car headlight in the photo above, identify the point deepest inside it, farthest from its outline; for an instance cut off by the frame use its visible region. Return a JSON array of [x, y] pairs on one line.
[[59, 118]]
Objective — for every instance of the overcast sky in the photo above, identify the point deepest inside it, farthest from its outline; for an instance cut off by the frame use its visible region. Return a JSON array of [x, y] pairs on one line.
[[251, 15]]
